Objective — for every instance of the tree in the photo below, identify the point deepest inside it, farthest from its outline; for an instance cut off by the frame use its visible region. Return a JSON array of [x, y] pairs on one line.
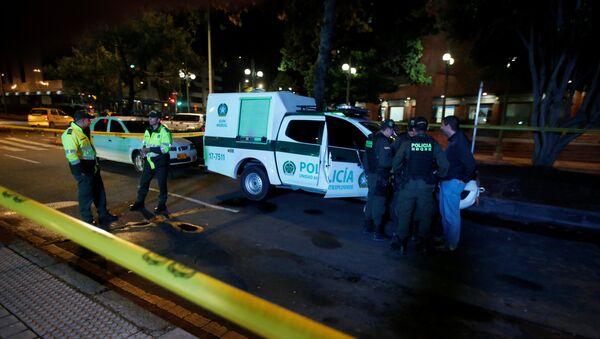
[[379, 38], [553, 37], [322, 63], [147, 48]]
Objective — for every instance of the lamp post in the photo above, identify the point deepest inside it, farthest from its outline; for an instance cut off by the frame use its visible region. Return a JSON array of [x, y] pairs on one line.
[[448, 60], [253, 74], [350, 71], [2, 93], [187, 76]]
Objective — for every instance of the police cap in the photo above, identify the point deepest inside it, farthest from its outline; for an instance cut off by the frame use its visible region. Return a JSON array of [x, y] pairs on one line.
[[155, 114], [418, 123], [389, 123], [81, 114]]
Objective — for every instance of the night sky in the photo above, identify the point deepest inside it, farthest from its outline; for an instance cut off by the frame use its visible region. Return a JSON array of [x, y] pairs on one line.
[[49, 28]]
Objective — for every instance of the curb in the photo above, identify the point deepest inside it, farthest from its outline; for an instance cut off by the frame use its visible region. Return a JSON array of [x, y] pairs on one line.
[[522, 211]]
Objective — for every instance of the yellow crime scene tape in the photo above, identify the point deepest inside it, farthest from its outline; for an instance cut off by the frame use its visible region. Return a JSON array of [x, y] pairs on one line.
[[253, 313], [122, 135], [141, 135]]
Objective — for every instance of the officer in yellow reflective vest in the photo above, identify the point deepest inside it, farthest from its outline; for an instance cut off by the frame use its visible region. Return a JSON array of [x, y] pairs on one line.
[[85, 169], [155, 148]]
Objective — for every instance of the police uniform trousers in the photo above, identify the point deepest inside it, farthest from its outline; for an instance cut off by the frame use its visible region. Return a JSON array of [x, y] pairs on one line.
[[148, 173], [375, 208], [90, 189], [415, 197]]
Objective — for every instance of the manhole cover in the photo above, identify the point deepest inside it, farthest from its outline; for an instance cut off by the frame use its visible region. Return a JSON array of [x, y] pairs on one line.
[[187, 227]]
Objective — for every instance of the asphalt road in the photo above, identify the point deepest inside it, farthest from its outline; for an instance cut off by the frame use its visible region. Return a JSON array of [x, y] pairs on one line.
[[307, 254]]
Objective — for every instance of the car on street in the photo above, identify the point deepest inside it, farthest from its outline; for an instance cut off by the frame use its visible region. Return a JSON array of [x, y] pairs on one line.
[[48, 117], [185, 122], [119, 138]]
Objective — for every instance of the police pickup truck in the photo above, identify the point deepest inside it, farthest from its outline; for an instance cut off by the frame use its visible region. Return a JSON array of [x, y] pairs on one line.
[[278, 139]]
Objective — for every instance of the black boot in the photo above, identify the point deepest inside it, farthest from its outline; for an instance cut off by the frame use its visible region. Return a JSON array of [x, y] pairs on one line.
[[108, 218], [380, 234], [161, 209], [136, 206], [368, 227], [399, 244], [421, 245]]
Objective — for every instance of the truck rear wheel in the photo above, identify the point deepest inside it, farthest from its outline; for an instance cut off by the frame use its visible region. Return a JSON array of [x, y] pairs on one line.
[[255, 183]]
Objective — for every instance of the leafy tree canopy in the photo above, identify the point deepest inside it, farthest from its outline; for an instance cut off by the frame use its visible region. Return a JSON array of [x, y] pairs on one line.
[[378, 38], [552, 38], [147, 48]]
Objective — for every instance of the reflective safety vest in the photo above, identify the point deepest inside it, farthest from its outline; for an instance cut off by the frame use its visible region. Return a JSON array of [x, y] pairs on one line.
[[159, 141], [79, 149]]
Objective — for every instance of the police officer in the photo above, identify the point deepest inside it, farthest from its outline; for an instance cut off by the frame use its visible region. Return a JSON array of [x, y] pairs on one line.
[[378, 163], [398, 141], [414, 165], [155, 148], [85, 169]]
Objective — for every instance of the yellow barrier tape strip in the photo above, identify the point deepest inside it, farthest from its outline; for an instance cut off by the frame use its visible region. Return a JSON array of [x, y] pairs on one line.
[[122, 135], [253, 313], [520, 128], [141, 135], [37, 129]]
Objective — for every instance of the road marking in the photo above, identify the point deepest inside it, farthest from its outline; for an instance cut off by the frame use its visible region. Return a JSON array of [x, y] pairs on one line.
[[61, 204], [12, 149], [16, 144], [35, 143], [31, 161], [200, 202]]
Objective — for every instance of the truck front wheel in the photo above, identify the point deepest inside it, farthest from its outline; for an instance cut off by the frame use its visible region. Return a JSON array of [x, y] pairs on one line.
[[255, 183]]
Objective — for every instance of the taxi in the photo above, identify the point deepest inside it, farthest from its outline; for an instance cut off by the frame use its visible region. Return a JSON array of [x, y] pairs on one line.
[[48, 117], [119, 138]]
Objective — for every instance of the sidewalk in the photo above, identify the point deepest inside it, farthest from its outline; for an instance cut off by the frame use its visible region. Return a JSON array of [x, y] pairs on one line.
[[567, 195], [42, 298]]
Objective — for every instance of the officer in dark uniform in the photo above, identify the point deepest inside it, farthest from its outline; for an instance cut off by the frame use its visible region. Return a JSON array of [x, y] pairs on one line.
[[398, 141], [413, 166], [378, 163]]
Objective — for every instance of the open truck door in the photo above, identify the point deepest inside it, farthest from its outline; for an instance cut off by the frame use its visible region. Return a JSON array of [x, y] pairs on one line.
[[343, 168]]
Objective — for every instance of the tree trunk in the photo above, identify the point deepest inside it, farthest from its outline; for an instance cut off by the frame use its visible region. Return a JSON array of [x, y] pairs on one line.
[[549, 147], [323, 57]]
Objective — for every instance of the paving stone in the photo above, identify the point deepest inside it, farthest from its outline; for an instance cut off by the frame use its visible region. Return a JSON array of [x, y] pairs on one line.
[[177, 333], [7, 331], [32, 254], [24, 335], [76, 279], [8, 320], [132, 312]]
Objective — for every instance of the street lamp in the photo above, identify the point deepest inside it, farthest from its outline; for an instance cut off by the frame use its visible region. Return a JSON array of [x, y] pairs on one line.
[[187, 76], [448, 60], [351, 71], [253, 74]]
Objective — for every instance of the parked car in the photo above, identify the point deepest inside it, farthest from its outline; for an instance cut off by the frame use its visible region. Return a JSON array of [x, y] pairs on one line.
[[185, 122], [48, 117], [119, 138]]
